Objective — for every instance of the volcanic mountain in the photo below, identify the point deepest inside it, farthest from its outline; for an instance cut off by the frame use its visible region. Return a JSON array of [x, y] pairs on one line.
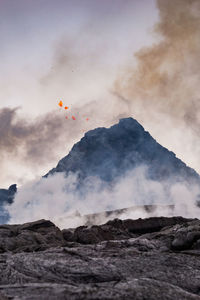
[[109, 153], [153, 258]]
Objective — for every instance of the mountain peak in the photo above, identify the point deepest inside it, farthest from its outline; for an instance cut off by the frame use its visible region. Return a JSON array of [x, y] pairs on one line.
[[129, 123], [108, 153]]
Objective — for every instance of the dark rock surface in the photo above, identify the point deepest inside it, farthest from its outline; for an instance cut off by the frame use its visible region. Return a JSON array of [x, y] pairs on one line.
[[6, 197], [155, 258], [30, 237], [108, 153]]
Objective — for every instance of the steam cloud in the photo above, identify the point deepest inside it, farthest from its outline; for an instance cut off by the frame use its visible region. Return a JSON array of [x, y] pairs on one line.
[[57, 199]]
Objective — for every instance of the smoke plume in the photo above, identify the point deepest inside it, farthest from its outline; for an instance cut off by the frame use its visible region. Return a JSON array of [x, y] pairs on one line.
[[164, 86]]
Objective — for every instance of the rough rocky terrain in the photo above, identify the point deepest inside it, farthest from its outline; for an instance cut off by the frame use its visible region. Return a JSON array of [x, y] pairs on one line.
[[155, 258]]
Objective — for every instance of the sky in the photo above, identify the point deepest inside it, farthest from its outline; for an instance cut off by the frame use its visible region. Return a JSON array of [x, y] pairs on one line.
[[105, 59], [90, 38], [69, 50]]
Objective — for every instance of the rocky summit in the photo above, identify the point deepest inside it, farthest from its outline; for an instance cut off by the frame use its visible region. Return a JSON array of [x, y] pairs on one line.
[[155, 258], [109, 153]]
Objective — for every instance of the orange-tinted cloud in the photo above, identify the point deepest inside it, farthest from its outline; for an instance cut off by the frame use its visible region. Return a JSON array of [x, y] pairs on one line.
[[166, 78]]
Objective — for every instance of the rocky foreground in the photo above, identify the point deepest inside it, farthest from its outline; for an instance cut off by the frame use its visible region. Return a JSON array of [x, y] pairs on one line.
[[155, 258]]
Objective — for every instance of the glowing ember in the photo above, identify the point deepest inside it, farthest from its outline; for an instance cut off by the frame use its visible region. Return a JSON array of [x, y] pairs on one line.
[[66, 107]]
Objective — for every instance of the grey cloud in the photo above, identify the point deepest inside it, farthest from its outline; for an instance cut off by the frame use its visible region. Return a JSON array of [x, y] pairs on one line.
[[34, 140]]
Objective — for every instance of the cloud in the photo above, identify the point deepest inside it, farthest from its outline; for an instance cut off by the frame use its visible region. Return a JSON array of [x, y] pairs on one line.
[[56, 198]]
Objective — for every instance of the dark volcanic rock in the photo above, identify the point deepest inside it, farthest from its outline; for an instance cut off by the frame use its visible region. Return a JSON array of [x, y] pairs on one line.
[[108, 153], [140, 226], [30, 237], [118, 229], [116, 260], [6, 197]]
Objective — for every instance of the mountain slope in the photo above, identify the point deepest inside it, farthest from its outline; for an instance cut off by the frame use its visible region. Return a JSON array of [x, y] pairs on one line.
[[108, 153]]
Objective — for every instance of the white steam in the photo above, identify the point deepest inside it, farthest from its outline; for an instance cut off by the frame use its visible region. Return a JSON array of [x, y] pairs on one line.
[[56, 198]]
